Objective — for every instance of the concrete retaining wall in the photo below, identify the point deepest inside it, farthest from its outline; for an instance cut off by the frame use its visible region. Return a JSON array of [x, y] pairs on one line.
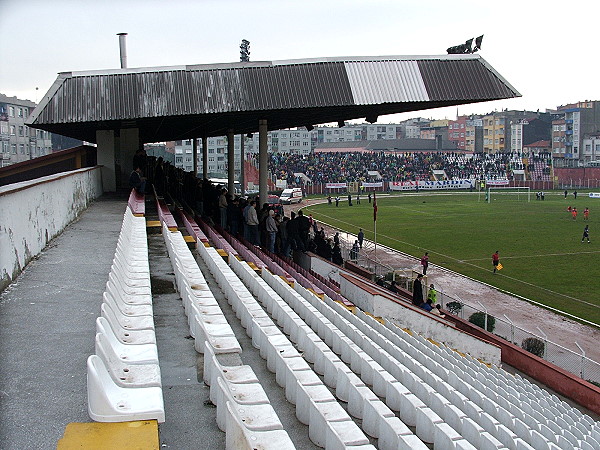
[[33, 212]]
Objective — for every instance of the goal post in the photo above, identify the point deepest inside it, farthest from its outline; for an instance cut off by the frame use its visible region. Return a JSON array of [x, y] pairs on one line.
[[520, 193]]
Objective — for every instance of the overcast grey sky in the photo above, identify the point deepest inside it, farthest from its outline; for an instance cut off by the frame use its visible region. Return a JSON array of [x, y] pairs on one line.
[[545, 49]]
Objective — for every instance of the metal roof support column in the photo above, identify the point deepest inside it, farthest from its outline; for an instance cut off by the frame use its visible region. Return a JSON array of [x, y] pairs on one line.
[[204, 158], [262, 161], [231, 162], [195, 156], [242, 165]]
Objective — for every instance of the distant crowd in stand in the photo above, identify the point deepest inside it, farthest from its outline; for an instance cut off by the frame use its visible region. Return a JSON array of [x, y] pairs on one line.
[[345, 167]]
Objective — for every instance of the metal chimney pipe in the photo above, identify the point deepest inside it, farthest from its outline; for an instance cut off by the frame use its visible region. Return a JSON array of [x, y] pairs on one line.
[[123, 49]]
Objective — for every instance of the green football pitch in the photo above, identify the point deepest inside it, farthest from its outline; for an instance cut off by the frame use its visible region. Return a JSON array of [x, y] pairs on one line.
[[539, 242]]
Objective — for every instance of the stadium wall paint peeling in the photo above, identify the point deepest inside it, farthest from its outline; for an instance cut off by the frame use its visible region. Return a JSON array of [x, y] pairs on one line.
[[405, 315], [34, 212]]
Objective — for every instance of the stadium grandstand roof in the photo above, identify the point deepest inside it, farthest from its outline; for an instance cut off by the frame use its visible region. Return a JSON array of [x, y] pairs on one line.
[[183, 102]]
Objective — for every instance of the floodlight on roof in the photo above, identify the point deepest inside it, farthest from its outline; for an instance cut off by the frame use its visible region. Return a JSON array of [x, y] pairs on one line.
[[245, 51], [249, 135], [341, 124], [309, 127], [467, 47], [478, 41], [371, 118]]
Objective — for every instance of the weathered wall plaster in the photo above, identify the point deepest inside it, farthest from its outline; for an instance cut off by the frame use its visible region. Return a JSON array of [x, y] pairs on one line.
[[33, 212]]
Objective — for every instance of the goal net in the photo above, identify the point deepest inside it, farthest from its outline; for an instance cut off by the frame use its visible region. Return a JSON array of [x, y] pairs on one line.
[[497, 193]]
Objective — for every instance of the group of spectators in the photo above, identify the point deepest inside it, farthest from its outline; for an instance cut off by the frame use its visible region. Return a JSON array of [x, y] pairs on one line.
[[265, 226], [344, 167]]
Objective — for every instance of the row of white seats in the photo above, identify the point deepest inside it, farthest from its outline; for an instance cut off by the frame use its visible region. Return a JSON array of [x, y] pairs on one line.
[[247, 419], [430, 385], [574, 431], [123, 376], [526, 402], [205, 318], [243, 408], [378, 420], [388, 380], [329, 424]]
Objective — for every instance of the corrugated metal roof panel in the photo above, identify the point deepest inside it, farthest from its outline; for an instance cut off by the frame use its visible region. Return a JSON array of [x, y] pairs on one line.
[[393, 81], [462, 79], [126, 96]]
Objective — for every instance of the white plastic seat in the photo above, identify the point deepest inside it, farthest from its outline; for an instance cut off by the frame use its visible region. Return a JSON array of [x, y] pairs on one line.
[[127, 309], [239, 437], [128, 299], [108, 402], [126, 374], [231, 374], [257, 415], [129, 337], [127, 323], [132, 354]]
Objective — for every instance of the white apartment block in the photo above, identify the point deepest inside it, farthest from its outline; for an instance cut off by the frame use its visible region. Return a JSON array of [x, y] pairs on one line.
[[18, 142]]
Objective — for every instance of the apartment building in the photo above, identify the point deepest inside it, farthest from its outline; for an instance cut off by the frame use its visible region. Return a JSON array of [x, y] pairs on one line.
[[574, 134], [18, 142], [498, 134]]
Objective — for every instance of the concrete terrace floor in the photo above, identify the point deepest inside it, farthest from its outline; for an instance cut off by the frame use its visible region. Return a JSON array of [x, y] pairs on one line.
[[47, 330]]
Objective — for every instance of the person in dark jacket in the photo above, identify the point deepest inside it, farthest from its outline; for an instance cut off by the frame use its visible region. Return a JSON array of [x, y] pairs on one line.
[[417, 291], [136, 181]]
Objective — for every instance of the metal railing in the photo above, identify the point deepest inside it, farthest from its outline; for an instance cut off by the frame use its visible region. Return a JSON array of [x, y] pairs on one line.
[[539, 344]]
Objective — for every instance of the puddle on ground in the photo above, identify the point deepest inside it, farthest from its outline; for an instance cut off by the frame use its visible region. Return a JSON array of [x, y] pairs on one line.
[[161, 286]]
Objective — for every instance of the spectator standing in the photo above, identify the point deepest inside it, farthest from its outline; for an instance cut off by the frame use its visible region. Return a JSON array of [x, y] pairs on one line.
[[284, 237], [432, 294], [336, 239], [575, 194], [361, 237], [566, 193], [425, 262], [140, 160], [369, 197], [303, 228], [329, 199], [252, 222], [417, 291], [336, 255], [337, 201], [292, 232], [495, 260], [223, 208], [271, 228], [358, 199], [349, 199], [233, 215], [354, 251], [586, 234]]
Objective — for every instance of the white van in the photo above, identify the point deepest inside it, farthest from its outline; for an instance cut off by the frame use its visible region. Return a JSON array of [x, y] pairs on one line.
[[289, 196]]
